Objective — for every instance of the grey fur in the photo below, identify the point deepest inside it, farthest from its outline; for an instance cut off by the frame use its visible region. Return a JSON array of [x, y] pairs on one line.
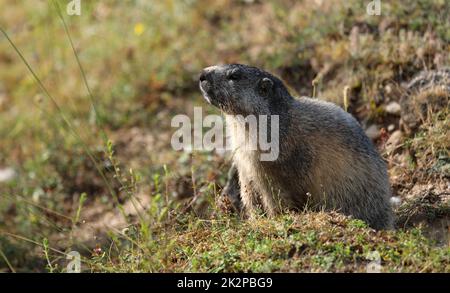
[[326, 161]]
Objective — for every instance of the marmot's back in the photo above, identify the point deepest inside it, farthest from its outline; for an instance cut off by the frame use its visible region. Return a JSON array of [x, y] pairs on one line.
[[346, 172]]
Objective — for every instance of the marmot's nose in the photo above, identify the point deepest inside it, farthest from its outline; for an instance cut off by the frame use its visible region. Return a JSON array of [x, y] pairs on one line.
[[206, 73], [203, 75]]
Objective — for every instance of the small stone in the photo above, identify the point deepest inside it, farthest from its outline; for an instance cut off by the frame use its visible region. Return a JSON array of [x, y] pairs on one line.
[[395, 201], [393, 108], [391, 127], [373, 132]]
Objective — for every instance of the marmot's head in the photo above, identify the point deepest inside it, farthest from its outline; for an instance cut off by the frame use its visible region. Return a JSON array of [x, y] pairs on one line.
[[242, 90]]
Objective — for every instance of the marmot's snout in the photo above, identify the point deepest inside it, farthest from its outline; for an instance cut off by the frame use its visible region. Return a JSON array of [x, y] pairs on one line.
[[208, 82], [206, 73]]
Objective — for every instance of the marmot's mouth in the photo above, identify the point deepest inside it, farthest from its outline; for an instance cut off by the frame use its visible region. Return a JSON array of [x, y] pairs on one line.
[[203, 88], [209, 94]]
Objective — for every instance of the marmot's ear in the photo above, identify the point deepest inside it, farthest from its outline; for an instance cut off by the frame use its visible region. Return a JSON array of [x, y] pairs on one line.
[[265, 86]]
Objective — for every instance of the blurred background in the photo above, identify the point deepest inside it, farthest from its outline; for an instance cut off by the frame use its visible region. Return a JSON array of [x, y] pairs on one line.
[[96, 152]]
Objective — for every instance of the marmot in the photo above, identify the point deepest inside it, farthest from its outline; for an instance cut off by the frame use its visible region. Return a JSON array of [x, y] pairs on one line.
[[325, 159]]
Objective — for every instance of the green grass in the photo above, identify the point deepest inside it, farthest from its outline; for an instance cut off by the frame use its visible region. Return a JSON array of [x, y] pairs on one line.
[[122, 69], [315, 242]]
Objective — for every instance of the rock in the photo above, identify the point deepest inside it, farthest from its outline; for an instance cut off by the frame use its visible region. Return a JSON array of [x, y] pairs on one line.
[[373, 132], [395, 201], [391, 127], [393, 108]]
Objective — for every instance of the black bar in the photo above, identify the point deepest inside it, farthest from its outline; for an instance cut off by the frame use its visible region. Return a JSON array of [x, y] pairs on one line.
[[209, 282]]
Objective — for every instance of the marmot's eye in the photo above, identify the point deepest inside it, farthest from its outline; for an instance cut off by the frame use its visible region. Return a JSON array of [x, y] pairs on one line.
[[234, 75]]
